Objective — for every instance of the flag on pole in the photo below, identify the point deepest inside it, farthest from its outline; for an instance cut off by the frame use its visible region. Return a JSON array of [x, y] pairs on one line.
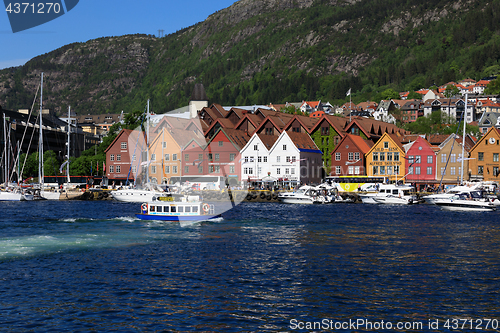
[[348, 92], [103, 167]]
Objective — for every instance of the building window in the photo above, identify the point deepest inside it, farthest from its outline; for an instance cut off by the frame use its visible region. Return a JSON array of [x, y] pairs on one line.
[[418, 159], [133, 157], [123, 145], [217, 156], [337, 156], [480, 170], [111, 169], [375, 157], [112, 157], [357, 170], [453, 158], [375, 170], [411, 159], [410, 170], [495, 157], [284, 147], [386, 145], [174, 158], [443, 171], [389, 157], [429, 170], [232, 156], [221, 143], [265, 159], [396, 157], [495, 171], [186, 157], [356, 156], [350, 156], [453, 171], [417, 170], [164, 144], [186, 168], [292, 171], [118, 169], [337, 170], [480, 156], [118, 157], [278, 171], [382, 157], [167, 168], [351, 169], [200, 169], [167, 157], [153, 169], [134, 169], [288, 159], [429, 160], [278, 159], [443, 158], [255, 147], [174, 169], [232, 169]]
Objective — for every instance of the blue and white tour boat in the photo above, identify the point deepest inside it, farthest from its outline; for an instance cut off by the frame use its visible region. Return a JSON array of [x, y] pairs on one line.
[[187, 208]]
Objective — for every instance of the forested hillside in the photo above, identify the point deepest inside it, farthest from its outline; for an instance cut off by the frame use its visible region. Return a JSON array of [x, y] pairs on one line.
[[262, 51]]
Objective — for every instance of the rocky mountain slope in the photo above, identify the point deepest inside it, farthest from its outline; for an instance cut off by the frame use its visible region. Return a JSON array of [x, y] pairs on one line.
[[263, 51]]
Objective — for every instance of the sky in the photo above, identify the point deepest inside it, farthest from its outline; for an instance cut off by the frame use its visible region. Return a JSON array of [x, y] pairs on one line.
[[91, 19]]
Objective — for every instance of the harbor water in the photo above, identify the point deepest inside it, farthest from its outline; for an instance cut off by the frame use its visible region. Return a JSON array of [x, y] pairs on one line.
[[84, 266]]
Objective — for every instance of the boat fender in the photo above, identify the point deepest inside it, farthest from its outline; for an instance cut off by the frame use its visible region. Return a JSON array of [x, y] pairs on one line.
[[262, 195], [205, 207], [268, 197], [144, 207]]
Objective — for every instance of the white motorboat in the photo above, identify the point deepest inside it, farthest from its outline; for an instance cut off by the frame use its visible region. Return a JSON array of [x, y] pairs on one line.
[[304, 195], [10, 196], [431, 198], [186, 208], [140, 195], [398, 194], [466, 202]]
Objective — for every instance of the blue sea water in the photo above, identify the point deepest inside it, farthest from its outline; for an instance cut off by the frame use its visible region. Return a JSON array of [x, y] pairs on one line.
[[83, 266]]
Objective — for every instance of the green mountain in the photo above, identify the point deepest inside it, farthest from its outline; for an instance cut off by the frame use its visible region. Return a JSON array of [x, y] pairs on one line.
[[262, 51]]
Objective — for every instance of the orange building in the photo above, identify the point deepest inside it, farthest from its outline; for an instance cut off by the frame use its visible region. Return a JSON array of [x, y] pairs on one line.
[[484, 164]]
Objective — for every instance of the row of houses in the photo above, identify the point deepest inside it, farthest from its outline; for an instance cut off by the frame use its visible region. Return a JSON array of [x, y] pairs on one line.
[[262, 145], [423, 160]]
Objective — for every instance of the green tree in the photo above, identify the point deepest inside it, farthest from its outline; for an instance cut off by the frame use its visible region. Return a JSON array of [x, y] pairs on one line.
[[389, 94], [451, 90], [414, 95], [493, 88], [50, 163]]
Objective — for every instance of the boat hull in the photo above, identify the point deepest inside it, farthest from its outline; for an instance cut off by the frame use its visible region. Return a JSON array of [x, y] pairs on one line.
[[177, 218], [10, 196], [465, 205], [292, 200], [135, 195]]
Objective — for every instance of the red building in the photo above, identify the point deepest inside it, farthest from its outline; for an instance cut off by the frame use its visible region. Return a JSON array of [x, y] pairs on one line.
[[222, 154], [420, 163], [348, 157], [121, 162]]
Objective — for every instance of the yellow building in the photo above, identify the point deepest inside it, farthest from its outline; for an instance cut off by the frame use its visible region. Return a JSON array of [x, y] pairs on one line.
[[165, 157], [386, 158], [449, 160], [484, 163]]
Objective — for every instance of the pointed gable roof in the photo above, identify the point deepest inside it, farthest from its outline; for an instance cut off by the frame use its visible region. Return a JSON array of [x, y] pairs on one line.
[[303, 141], [267, 140]]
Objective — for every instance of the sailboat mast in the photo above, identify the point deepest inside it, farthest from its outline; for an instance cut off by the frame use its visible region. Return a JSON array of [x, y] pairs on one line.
[[147, 145], [463, 140], [40, 140], [69, 136], [6, 172]]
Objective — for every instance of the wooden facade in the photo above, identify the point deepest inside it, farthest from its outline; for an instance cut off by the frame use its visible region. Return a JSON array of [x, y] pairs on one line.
[[484, 163]]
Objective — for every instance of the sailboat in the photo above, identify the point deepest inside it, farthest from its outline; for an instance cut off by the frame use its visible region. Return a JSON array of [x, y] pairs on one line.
[[49, 195], [151, 190], [11, 193]]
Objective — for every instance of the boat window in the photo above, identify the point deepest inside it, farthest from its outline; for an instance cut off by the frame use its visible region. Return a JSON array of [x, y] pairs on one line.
[[151, 208], [195, 209], [394, 191], [188, 209], [173, 209], [180, 209], [165, 209], [159, 209]]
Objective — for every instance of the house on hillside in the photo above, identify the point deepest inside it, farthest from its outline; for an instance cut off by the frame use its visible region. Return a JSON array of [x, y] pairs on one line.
[[452, 107], [384, 112], [489, 120], [411, 111]]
